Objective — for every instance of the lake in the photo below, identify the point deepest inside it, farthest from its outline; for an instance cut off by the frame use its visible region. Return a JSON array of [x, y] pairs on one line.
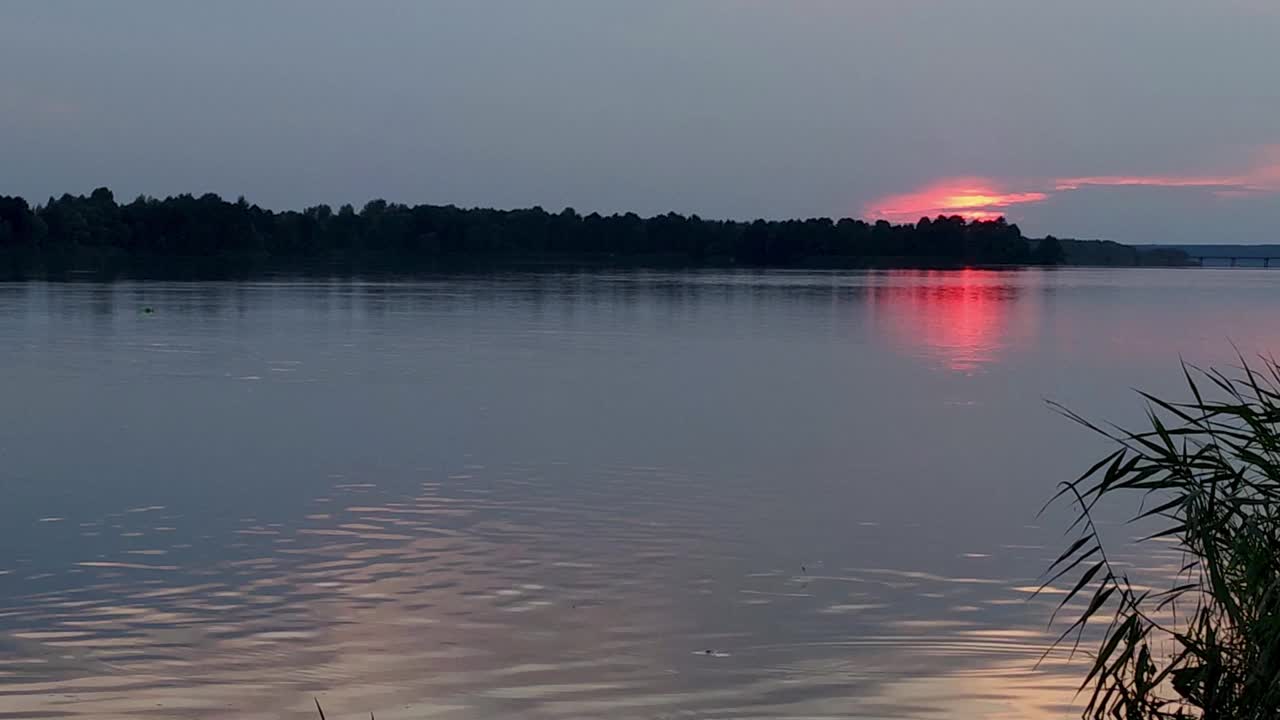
[[633, 495]]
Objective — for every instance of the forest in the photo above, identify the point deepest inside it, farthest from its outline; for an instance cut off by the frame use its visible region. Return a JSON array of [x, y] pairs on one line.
[[206, 233]]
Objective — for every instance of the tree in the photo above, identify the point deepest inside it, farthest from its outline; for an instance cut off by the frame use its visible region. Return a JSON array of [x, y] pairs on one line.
[[1048, 251], [153, 231]]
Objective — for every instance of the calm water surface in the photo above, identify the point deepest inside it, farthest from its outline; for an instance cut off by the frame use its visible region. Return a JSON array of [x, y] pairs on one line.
[[799, 495]]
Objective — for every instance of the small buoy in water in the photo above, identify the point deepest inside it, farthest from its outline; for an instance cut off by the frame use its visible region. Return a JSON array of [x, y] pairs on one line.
[[148, 310]]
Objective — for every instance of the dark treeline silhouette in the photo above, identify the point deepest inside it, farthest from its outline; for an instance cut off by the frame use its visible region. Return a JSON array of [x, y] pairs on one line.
[[1109, 253], [95, 233]]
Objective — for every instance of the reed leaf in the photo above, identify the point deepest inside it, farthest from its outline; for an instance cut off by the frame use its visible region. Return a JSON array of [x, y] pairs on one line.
[[1210, 467]]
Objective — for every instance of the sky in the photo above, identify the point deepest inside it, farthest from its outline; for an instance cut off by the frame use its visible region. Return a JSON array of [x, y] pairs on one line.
[[1138, 121]]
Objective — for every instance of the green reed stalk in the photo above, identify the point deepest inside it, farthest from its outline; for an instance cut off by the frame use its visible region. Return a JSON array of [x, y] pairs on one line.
[[1208, 471]]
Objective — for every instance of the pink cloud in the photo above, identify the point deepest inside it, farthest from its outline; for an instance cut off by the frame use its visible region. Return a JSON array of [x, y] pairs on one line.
[[971, 198], [1262, 177], [977, 198], [1066, 184]]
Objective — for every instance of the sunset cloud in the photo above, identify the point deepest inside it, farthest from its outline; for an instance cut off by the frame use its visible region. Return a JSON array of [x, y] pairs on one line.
[[976, 198], [1262, 177], [1066, 184], [971, 198]]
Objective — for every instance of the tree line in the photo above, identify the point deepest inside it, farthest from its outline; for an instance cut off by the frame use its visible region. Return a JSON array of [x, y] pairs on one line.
[[81, 232]]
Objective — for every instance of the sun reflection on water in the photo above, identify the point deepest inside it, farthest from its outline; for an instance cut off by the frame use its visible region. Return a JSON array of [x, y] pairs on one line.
[[965, 319]]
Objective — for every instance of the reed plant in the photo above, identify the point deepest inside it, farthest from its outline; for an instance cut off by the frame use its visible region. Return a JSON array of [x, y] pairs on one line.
[[1207, 471]]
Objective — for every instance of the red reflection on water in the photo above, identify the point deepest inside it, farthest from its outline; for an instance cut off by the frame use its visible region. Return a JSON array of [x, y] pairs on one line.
[[960, 317]]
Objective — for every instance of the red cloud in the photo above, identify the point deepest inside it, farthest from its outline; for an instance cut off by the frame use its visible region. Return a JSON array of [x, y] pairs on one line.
[[986, 198], [970, 198]]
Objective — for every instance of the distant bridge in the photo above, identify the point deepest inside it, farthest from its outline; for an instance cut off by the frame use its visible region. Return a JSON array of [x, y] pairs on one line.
[[1235, 260]]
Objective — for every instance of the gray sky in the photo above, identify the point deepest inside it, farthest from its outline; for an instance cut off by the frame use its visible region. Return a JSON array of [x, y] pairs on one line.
[[1139, 121]]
